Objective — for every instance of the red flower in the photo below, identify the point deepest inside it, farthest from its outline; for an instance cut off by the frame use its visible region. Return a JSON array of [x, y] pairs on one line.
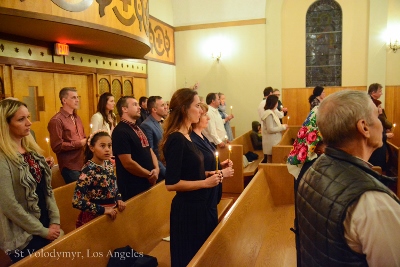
[[302, 156], [312, 136], [302, 132]]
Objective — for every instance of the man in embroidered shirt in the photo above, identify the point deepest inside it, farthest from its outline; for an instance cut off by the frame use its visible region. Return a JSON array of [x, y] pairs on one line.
[[67, 136], [137, 165], [346, 216], [215, 131]]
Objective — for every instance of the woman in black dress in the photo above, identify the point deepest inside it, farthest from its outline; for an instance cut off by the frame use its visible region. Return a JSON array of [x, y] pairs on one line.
[[208, 151], [185, 174]]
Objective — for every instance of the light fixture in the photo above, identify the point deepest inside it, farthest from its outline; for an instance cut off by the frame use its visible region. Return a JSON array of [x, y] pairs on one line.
[[394, 46], [216, 55]]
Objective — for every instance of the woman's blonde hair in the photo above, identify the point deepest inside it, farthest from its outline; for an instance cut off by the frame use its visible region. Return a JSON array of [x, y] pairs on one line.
[[204, 108], [179, 104], [8, 108]]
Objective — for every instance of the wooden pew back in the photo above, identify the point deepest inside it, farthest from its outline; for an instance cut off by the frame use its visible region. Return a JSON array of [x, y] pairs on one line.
[[281, 151], [239, 236], [56, 178], [234, 184], [394, 163], [68, 214], [142, 225], [280, 182], [245, 141]]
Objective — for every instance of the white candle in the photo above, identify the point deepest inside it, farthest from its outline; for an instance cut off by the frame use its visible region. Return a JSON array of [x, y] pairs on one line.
[[231, 110], [216, 161], [48, 145], [229, 155]]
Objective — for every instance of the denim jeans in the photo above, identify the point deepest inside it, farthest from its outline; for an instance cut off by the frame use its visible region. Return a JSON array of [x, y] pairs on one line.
[[70, 176]]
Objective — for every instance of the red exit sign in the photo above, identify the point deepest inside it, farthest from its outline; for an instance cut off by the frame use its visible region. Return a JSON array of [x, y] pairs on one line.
[[61, 49]]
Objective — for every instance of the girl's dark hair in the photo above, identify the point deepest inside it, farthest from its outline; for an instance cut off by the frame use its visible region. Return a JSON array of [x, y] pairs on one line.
[[271, 102], [316, 92], [91, 142], [101, 107]]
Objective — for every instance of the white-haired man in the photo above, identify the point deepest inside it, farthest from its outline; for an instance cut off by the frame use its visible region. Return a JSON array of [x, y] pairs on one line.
[[346, 216]]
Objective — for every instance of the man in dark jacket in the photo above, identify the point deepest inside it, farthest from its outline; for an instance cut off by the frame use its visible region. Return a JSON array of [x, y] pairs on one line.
[[346, 216]]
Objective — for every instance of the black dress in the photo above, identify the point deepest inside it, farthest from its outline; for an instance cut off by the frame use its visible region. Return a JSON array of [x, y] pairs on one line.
[[189, 210], [208, 151]]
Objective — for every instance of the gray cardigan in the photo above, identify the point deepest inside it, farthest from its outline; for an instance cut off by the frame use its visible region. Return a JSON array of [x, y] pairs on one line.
[[19, 211]]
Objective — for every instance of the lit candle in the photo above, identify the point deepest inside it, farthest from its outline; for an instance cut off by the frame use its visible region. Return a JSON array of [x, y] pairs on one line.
[[48, 144], [231, 110], [226, 138], [394, 125], [91, 126], [229, 155], [216, 160], [288, 117]]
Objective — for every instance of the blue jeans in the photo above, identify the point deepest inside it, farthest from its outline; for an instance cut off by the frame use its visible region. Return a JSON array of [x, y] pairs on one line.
[[70, 176]]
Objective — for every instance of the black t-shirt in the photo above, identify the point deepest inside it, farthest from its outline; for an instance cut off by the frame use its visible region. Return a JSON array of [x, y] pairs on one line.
[[184, 161], [126, 141]]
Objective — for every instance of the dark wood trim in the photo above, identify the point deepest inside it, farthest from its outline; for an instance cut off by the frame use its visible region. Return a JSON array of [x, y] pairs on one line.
[[221, 24], [26, 64], [122, 73], [19, 63]]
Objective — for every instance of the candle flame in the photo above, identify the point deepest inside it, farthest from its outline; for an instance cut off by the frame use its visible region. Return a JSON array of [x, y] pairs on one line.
[[47, 139], [216, 154], [230, 147]]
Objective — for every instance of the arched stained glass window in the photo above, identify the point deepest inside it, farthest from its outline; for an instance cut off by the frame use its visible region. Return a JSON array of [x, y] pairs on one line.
[[324, 44]]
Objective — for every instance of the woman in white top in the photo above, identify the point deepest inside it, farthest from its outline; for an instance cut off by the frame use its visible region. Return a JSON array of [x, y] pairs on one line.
[[271, 127], [104, 118]]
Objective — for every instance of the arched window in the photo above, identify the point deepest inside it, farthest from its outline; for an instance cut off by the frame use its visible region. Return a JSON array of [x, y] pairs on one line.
[[324, 44]]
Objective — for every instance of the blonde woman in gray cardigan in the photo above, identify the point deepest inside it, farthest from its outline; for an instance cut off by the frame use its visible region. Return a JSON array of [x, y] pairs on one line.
[[271, 127], [29, 216]]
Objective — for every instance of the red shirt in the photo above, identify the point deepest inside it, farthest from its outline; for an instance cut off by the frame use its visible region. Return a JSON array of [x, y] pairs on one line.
[[66, 132]]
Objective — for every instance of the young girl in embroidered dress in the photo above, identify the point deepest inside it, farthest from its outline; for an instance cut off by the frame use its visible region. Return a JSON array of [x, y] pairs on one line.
[[96, 190]]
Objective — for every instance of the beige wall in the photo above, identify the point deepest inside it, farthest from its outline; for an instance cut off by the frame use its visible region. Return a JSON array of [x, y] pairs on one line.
[[393, 59], [161, 77], [240, 74], [354, 47]]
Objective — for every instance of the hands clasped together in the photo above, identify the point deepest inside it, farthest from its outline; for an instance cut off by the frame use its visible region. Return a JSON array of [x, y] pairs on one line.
[[112, 212]]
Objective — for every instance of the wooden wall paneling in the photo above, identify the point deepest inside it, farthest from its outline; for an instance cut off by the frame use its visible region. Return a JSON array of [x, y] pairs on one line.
[[127, 84], [296, 100], [44, 82], [392, 96], [139, 87], [92, 91], [80, 82]]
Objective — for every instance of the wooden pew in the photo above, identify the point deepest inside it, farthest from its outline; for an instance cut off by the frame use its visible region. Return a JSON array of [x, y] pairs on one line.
[[394, 163], [281, 151], [240, 146], [142, 226], [255, 231], [68, 214], [56, 180]]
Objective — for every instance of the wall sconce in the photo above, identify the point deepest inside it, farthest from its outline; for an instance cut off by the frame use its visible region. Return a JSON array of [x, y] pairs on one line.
[[394, 46], [216, 55]]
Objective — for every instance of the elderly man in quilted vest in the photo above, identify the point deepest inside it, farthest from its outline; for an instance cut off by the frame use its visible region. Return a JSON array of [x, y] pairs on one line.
[[347, 216]]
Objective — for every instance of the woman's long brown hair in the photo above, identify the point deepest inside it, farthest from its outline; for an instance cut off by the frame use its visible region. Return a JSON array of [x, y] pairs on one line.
[[179, 104]]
